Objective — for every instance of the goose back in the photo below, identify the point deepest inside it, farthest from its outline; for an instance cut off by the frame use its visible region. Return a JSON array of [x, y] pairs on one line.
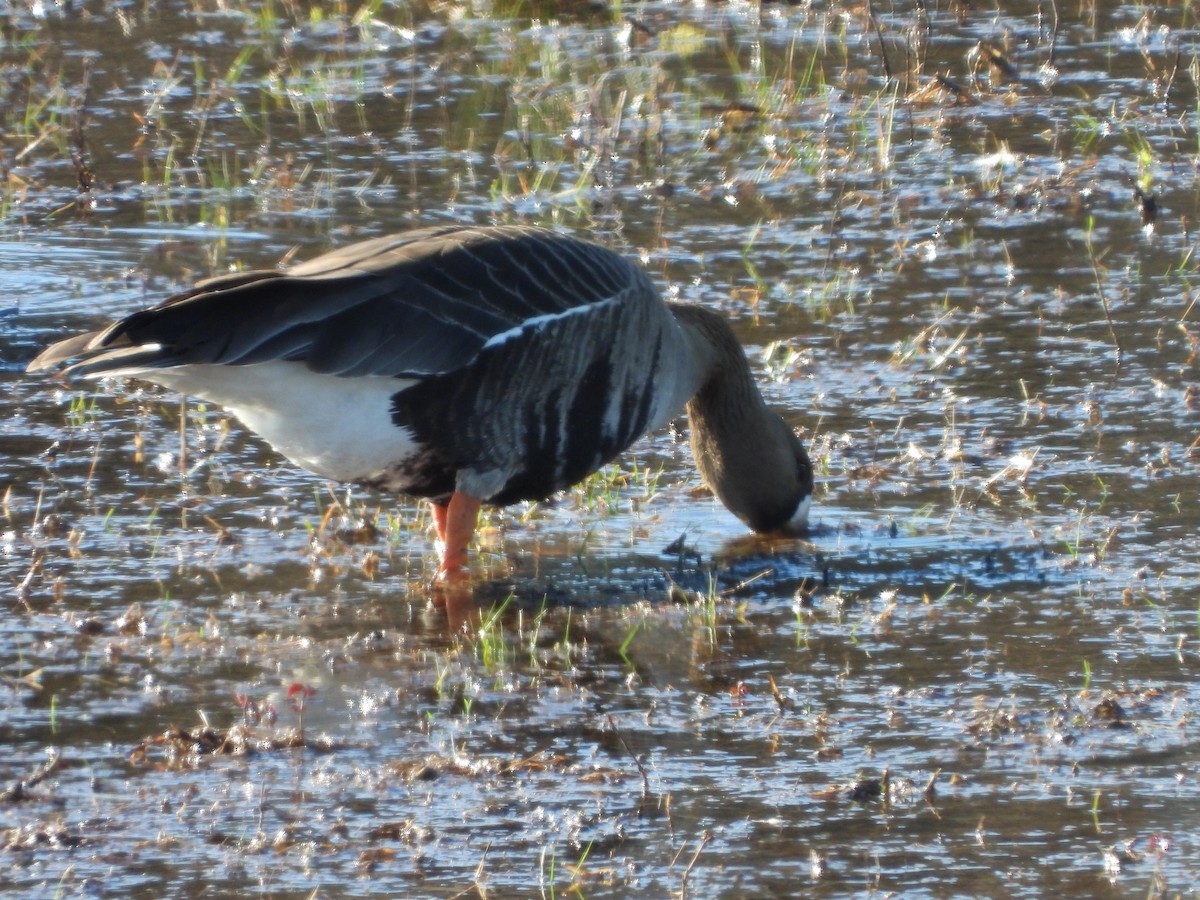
[[420, 303]]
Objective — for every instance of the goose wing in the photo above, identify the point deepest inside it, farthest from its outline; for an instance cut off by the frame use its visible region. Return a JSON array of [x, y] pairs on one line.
[[417, 304]]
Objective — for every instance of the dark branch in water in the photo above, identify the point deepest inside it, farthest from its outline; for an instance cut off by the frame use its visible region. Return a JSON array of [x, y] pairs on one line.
[[79, 118], [1053, 30], [20, 789], [887, 69]]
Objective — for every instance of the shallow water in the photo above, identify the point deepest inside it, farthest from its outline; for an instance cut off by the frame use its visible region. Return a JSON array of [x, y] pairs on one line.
[[988, 345]]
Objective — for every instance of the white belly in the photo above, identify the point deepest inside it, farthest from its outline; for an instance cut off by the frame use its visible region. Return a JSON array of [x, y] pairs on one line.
[[339, 428]]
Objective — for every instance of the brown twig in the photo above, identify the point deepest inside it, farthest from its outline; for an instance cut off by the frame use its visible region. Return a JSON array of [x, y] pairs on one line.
[[79, 117], [612, 723], [705, 838], [20, 789], [887, 68], [1053, 31]]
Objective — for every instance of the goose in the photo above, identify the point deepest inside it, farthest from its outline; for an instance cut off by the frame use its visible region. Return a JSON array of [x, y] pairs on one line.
[[465, 365]]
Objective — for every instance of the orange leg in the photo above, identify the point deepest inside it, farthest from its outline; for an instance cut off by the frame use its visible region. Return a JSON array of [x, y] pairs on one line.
[[455, 525], [440, 512]]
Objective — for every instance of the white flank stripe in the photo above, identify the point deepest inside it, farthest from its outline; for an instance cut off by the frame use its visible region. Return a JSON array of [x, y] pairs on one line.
[[537, 323]]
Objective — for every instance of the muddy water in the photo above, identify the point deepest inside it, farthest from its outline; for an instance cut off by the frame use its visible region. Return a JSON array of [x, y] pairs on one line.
[[974, 677]]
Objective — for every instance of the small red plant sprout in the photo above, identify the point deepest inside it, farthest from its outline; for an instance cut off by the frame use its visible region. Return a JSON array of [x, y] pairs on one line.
[[298, 696]]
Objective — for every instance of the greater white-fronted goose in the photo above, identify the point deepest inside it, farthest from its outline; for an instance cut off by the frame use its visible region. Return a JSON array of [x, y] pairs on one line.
[[465, 365]]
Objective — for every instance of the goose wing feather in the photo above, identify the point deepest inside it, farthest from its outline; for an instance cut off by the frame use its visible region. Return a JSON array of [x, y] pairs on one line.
[[412, 305]]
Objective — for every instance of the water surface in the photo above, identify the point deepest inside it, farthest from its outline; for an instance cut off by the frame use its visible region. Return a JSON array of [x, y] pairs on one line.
[[974, 677]]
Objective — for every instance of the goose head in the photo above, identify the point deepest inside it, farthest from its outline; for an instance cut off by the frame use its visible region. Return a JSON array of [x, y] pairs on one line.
[[745, 451]]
